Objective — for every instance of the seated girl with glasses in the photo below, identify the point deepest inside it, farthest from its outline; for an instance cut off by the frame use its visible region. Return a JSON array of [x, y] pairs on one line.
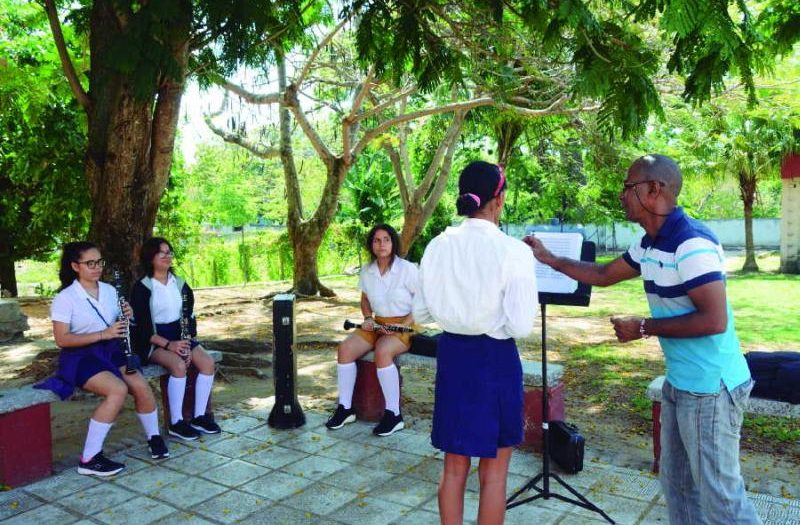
[[87, 326], [158, 305]]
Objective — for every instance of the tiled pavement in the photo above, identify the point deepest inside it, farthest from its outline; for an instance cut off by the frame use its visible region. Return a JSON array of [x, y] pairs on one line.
[[254, 474]]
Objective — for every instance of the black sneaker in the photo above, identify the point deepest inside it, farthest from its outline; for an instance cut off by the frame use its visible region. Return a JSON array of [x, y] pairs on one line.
[[99, 465], [205, 424], [390, 423], [182, 430], [341, 416], [158, 450]]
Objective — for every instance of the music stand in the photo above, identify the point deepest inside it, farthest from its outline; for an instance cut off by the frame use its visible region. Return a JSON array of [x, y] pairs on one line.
[[579, 297]]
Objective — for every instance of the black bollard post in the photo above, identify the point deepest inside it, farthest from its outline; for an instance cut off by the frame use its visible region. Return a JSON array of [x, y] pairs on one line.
[[286, 413]]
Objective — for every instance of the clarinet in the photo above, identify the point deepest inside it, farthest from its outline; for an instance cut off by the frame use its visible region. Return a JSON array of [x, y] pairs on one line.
[[390, 327], [125, 340], [185, 332]]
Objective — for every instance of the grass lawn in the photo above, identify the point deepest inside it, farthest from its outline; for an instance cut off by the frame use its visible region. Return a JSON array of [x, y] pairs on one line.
[[608, 379]]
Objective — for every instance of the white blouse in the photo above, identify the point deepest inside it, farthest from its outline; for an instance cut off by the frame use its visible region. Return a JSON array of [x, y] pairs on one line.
[[390, 294], [74, 306], [475, 279], [166, 301]]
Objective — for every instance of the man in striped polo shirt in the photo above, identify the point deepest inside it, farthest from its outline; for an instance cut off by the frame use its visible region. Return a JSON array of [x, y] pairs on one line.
[[707, 381]]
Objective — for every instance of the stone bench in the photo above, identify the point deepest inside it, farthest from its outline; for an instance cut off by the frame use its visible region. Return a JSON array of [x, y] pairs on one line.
[[26, 452], [369, 403], [757, 406]]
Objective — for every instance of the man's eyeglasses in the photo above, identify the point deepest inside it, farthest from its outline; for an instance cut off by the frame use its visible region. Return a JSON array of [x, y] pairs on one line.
[[164, 255], [93, 263], [628, 185]]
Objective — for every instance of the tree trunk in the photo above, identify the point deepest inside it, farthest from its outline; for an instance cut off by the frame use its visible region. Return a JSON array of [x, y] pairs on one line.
[[131, 141], [747, 187], [8, 277], [305, 236], [412, 226]]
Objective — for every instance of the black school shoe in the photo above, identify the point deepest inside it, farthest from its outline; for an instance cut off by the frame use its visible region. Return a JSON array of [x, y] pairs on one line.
[[340, 417], [158, 450], [205, 424], [183, 431], [99, 465], [390, 423]]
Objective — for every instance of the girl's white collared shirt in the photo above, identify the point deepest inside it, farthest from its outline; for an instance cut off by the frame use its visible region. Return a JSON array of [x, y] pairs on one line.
[[475, 279], [390, 294], [72, 306]]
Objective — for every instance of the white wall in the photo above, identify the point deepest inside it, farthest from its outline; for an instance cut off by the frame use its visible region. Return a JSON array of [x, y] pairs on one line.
[[617, 237]]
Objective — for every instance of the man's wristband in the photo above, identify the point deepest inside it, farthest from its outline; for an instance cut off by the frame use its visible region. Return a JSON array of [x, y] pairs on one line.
[[642, 330]]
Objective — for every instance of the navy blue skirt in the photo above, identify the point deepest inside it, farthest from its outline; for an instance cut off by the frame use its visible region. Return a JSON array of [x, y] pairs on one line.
[[77, 365], [172, 331], [478, 404]]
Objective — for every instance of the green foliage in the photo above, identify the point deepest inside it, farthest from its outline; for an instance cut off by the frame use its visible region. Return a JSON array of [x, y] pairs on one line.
[[616, 49], [263, 255], [178, 220], [371, 192], [781, 20], [442, 217], [222, 34], [780, 429], [401, 38], [43, 194]]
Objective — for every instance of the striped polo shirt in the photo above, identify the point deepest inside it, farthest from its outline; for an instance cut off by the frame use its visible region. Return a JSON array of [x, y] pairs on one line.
[[683, 255]]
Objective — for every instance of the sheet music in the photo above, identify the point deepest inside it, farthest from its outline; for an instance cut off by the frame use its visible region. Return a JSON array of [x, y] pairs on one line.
[[563, 245]]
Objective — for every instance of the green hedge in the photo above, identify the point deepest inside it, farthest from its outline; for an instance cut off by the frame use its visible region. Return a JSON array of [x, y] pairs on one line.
[[265, 255]]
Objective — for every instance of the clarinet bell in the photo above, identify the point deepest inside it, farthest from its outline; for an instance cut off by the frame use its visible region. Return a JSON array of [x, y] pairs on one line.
[[131, 364]]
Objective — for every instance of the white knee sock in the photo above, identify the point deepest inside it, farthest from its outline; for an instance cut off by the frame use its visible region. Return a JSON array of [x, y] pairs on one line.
[[94, 439], [202, 391], [346, 377], [176, 389], [389, 379], [149, 423]]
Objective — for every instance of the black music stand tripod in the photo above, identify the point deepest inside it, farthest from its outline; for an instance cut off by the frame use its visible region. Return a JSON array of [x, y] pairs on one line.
[[579, 298]]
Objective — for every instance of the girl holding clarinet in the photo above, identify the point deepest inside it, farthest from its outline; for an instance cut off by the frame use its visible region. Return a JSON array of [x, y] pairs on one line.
[[479, 285], [87, 325], [387, 287], [160, 300]]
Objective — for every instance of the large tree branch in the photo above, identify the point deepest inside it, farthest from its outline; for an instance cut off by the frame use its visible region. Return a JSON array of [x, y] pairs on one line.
[[350, 124], [66, 62], [293, 196], [319, 145], [317, 50], [387, 103], [233, 138], [397, 168], [370, 135], [402, 134], [444, 170], [249, 96], [165, 124], [333, 107], [453, 131]]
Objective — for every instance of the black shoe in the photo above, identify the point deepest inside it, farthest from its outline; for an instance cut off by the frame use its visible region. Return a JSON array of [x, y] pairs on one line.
[[182, 430], [99, 465], [341, 417], [390, 423], [205, 424], [158, 450]]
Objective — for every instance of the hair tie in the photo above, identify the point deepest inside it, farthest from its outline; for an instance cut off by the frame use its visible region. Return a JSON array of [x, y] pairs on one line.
[[474, 197], [500, 182]]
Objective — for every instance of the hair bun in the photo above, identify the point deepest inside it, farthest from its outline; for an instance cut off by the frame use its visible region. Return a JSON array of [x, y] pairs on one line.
[[467, 204]]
